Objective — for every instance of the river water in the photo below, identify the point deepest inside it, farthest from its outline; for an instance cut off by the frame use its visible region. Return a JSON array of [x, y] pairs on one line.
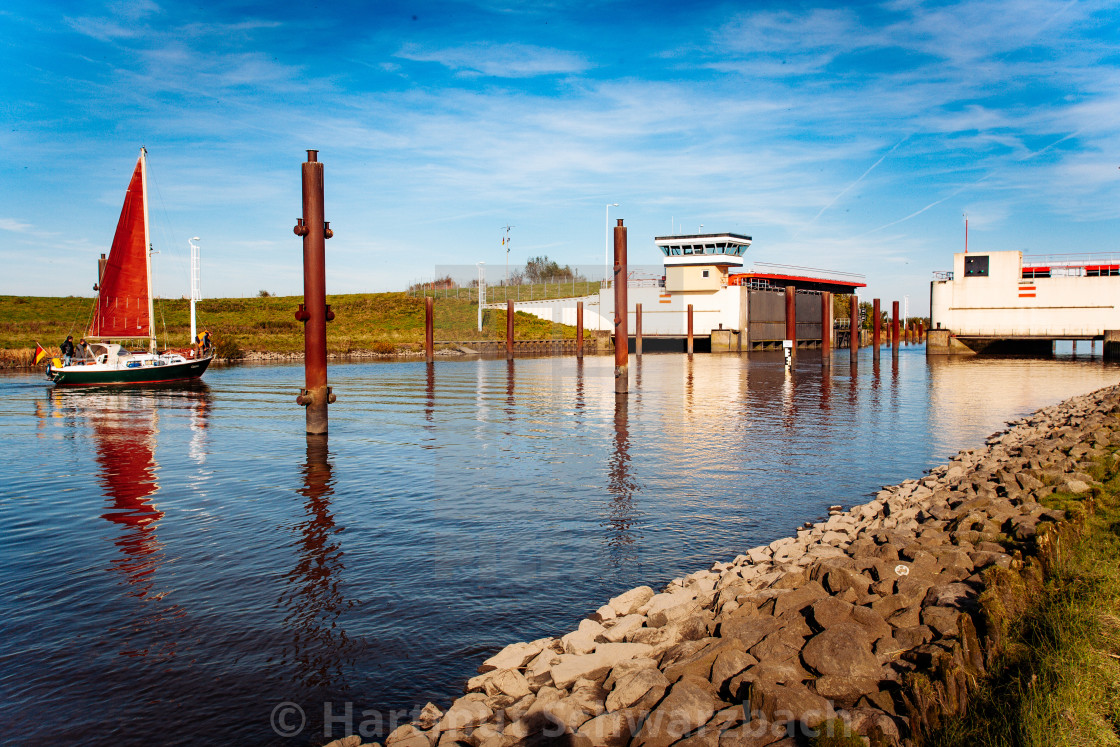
[[183, 565]]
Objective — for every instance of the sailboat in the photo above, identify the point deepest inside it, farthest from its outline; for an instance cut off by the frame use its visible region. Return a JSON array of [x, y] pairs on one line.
[[124, 311]]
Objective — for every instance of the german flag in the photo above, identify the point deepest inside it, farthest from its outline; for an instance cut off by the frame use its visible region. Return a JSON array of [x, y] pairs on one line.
[[40, 354]]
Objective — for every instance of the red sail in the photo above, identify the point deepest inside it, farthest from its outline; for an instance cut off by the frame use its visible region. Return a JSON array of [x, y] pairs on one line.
[[122, 304]]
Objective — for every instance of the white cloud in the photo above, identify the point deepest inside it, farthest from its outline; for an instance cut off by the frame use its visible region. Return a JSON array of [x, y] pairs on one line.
[[499, 60], [10, 224]]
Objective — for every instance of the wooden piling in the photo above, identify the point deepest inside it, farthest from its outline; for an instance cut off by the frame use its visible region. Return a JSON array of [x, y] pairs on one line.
[[894, 324], [826, 324], [853, 323], [579, 329], [621, 333], [638, 329], [876, 326], [314, 314], [690, 346], [791, 315]]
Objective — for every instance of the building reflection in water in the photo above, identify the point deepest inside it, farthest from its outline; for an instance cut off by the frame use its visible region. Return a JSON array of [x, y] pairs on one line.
[[622, 512], [318, 648]]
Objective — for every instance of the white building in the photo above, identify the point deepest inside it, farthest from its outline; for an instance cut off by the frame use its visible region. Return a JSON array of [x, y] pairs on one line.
[[997, 296], [698, 270]]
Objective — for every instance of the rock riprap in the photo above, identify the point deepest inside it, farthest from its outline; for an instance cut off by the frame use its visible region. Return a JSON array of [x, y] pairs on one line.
[[883, 616]]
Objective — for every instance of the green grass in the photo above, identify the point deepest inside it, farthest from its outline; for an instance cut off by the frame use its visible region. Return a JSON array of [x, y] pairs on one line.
[[363, 321], [1058, 683]]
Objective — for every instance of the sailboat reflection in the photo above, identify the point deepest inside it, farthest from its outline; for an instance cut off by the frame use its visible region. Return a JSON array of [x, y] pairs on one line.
[[319, 647], [125, 427]]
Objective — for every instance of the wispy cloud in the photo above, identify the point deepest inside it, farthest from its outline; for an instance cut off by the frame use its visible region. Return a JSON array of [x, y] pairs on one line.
[[15, 226], [498, 60]]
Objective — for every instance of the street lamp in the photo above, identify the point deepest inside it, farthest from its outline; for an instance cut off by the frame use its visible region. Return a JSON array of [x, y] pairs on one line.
[[607, 245]]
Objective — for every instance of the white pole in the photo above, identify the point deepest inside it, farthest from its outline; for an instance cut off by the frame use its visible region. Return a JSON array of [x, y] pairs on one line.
[[196, 285], [607, 244], [147, 251], [481, 292]]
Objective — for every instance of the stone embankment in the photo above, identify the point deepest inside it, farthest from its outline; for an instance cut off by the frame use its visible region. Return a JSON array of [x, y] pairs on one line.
[[878, 620]]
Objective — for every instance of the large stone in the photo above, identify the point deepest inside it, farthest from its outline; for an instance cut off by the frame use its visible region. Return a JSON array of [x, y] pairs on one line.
[[429, 716], [644, 687], [686, 629], [845, 691], [844, 650], [582, 640], [594, 666], [830, 611], [799, 598], [407, 735], [465, 713], [514, 656], [631, 601], [688, 706], [609, 730], [508, 682], [783, 704], [755, 733], [729, 663], [942, 620], [623, 627], [665, 608], [697, 660], [748, 626]]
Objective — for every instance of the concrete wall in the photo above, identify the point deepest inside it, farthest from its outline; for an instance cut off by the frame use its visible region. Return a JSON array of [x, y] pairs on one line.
[[1004, 304]]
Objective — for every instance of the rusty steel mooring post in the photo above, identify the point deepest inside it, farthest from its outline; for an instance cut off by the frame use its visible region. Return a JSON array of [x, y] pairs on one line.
[[791, 316], [921, 332], [853, 323], [690, 337], [621, 331], [509, 330], [429, 331], [637, 329], [579, 329], [876, 326], [894, 324], [314, 312], [826, 324]]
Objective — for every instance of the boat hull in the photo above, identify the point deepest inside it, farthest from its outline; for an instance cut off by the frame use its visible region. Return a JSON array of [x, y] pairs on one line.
[[101, 376]]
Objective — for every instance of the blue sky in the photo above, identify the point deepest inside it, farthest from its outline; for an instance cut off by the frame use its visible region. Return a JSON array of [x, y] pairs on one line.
[[846, 136]]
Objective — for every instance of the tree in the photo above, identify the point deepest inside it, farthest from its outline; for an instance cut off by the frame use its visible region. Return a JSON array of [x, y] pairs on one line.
[[545, 270]]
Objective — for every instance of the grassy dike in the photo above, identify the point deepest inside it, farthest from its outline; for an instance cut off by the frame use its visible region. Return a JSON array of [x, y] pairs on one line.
[[382, 323], [1056, 682]]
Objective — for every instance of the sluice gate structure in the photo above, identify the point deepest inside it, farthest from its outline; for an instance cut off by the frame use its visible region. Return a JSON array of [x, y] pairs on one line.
[[1003, 302], [701, 294]]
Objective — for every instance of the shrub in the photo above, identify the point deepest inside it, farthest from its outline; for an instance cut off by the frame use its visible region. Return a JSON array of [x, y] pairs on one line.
[[226, 347], [384, 348]]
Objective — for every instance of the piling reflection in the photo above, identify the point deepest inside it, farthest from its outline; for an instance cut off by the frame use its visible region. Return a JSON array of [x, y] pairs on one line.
[[826, 383], [622, 512], [318, 648], [430, 392]]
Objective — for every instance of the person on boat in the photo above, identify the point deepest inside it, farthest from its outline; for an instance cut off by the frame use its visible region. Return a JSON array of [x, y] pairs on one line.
[[204, 338], [67, 349], [83, 349]]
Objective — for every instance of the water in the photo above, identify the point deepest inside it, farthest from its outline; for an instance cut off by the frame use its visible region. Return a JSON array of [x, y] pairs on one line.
[[179, 562]]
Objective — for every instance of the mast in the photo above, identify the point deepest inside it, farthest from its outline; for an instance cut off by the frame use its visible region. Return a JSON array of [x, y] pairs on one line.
[[147, 250]]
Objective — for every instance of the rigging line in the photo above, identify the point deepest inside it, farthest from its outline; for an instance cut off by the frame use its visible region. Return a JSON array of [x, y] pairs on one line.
[[166, 229]]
